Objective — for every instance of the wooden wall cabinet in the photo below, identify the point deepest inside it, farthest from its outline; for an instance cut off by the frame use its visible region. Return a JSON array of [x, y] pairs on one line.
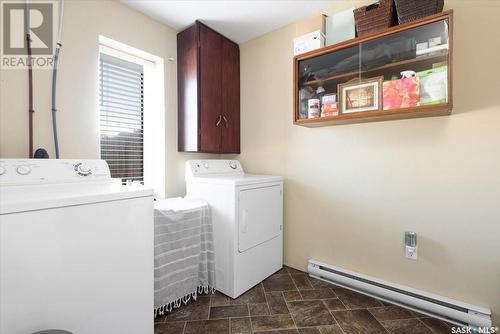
[[208, 79], [423, 47]]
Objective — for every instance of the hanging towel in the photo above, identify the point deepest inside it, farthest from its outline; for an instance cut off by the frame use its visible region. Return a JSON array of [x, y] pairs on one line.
[[184, 252]]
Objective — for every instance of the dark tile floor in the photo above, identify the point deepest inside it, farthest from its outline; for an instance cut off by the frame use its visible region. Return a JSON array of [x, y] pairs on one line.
[[291, 302]]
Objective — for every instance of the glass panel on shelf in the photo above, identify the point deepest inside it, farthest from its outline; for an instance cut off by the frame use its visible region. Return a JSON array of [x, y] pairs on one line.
[[402, 70], [412, 65], [318, 79]]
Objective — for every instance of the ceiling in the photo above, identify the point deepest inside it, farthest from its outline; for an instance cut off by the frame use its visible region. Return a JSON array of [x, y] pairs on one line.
[[239, 20]]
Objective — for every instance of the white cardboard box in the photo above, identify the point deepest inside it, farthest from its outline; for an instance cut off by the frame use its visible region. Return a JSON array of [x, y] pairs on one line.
[[308, 42]]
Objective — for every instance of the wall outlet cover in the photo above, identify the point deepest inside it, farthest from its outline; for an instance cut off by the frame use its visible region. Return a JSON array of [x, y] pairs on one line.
[[411, 252]]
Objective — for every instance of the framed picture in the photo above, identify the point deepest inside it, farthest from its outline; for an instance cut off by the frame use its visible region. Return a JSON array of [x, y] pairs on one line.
[[360, 95]]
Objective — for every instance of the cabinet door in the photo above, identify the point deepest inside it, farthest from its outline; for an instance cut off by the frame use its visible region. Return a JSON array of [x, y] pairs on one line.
[[210, 90], [230, 97]]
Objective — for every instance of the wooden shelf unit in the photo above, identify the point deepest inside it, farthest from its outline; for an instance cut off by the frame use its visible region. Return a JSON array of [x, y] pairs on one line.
[[379, 115]]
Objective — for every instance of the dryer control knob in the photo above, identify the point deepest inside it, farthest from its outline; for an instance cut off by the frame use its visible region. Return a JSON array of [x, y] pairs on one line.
[[2, 170], [83, 169], [233, 164], [23, 170]]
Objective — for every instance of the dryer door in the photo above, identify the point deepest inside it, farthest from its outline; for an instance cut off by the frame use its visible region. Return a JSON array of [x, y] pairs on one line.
[[260, 215]]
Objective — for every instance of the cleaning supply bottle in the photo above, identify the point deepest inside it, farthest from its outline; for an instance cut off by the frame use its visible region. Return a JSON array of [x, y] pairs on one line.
[[320, 91]]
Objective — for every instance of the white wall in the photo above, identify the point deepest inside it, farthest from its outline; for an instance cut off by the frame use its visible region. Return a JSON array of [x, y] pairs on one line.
[[77, 91], [352, 190]]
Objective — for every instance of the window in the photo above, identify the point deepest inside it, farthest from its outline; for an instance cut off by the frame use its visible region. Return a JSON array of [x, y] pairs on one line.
[[121, 117], [132, 113]]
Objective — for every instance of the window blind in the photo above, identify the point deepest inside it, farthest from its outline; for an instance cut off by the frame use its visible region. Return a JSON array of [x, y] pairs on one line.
[[121, 117]]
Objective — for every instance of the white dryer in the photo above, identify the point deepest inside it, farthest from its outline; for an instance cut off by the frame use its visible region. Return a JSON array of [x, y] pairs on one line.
[[76, 249], [247, 214]]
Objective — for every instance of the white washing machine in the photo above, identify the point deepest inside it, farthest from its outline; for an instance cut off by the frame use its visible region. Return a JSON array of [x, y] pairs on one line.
[[76, 249], [247, 214]]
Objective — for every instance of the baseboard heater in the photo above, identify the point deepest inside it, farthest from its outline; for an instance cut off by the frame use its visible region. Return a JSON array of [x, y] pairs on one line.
[[430, 304]]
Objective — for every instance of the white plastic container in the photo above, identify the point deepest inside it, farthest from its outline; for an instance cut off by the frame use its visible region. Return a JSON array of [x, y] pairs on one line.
[[340, 27], [313, 108]]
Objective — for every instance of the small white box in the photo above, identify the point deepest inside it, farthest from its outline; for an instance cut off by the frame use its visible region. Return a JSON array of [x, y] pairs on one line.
[[308, 42]]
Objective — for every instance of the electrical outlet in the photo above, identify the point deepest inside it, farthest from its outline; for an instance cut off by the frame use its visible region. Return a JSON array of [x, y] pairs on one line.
[[411, 245], [411, 252]]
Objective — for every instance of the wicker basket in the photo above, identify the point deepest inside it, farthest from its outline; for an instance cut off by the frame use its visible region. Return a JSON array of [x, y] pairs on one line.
[[374, 17], [411, 10]]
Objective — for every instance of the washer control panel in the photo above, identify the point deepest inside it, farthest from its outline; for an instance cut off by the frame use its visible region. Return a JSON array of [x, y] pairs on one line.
[[38, 171], [23, 169], [210, 167]]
